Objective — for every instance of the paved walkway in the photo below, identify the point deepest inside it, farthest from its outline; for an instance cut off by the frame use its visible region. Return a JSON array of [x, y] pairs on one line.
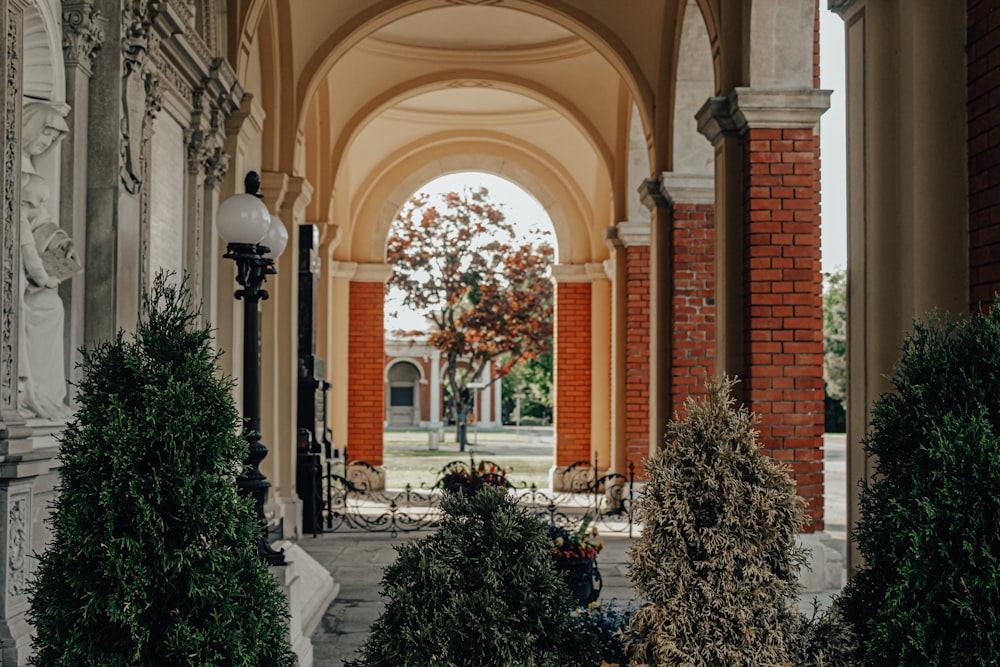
[[356, 561]]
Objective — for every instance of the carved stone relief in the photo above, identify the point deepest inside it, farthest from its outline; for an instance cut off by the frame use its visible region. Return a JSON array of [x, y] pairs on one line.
[[136, 84], [8, 277], [17, 547]]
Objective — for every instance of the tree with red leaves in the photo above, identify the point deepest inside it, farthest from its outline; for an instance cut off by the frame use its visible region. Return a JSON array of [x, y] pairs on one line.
[[487, 295]]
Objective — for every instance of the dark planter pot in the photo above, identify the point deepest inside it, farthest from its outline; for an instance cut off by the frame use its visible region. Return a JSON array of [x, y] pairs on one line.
[[582, 577]]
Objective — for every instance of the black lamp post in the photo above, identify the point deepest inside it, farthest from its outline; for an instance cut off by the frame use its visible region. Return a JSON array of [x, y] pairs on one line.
[[254, 239]]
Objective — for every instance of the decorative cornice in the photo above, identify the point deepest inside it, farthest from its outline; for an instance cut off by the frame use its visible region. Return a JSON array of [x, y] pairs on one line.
[[83, 33], [634, 233], [746, 108], [651, 194], [342, 270], [688, 188], [841, 7], [372, 273], [577, 273]]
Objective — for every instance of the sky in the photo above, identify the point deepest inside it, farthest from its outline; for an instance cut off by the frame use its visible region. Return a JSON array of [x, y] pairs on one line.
[[524, 210]]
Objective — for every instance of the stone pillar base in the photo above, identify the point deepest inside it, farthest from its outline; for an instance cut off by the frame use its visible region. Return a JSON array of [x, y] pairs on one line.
[[288, 510], [310, 589], [365, 476], [825, 565]]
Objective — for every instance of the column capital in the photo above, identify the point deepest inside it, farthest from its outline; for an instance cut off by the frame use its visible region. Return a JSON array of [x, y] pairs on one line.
[[372, 273], [578, 273], [627, 234], [651, 194], [342, 270], [746, 108], [688, 188], [83, 33], [841, 7]]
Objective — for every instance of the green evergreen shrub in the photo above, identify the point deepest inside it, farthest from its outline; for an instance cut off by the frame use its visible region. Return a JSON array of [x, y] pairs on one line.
[[153, 556], [929, 591], [716, 567], [479, 592]]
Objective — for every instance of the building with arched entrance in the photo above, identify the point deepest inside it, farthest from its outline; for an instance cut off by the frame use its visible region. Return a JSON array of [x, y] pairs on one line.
[[673, 144]]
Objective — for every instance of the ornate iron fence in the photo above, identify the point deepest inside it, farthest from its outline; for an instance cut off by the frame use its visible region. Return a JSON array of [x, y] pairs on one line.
[[354, 501]]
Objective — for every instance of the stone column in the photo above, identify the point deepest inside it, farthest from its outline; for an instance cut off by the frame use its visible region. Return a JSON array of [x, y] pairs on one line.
[[365, 372], [661, 406], [123, 101], [909, 144], [83, 35], [434, 418], [770, 261], [339, 275]]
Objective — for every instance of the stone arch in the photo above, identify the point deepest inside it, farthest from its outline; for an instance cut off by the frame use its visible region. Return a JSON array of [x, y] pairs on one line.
[[414, 166], [500, 81], [388, 11], [695, 83], [44, 72]]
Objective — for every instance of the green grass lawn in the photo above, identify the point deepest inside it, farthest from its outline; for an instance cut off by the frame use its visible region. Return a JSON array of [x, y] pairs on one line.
[[408, 460]]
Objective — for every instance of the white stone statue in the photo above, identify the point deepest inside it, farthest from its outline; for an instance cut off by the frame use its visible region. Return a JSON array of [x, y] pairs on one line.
[[45, 252]]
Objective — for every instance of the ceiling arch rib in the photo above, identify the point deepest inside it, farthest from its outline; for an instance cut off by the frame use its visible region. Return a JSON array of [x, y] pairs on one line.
[[391, 186], [438, 81], [381, 15]]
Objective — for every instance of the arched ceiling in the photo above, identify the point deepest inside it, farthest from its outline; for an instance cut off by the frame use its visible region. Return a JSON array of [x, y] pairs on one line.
[[559, 83], [467, 71]]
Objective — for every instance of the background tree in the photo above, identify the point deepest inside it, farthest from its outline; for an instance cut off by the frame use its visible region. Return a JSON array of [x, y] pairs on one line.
[[487, 296], [153, 559], [531, 380], [835, 348]]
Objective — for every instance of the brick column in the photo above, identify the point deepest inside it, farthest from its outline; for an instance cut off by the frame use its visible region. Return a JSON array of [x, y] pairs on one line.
[[983, 81], [365, 368], [573, 336], [630, 244], [774, 258], [693, 252]]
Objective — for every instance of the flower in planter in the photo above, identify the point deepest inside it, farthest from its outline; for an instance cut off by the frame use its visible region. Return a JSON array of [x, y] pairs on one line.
[[456, 477], [580, 543]]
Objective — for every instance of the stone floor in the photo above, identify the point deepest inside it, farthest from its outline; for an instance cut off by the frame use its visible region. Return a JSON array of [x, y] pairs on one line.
[[356, 561]]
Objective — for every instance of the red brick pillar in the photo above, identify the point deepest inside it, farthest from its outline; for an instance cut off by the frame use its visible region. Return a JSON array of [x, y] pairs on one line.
[[572, 361], [772, 269], [366, 364], [630, 250], [693, 263], [637, 352], [983, 81]]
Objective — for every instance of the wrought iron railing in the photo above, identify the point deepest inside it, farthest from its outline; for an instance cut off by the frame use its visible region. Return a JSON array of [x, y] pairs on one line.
[[354, 501]]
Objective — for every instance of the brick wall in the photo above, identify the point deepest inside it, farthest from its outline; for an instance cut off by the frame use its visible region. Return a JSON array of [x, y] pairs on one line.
[[637, 356], [983, 52], [572, 360], [366, 356], [693, 299], [783, 343]]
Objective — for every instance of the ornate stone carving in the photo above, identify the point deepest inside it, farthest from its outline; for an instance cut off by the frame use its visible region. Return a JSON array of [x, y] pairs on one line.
[[8, 277], [136, 22], [17, 547], [47, 257], [83, 32]]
